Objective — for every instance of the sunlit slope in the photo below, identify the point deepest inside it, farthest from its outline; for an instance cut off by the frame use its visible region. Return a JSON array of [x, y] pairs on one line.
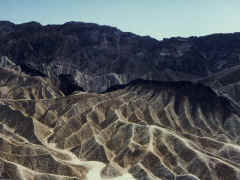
[[143, 130]]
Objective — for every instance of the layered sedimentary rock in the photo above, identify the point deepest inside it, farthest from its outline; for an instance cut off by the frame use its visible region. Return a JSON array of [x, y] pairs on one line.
[[55, 124], [96, 57], [144, 130]]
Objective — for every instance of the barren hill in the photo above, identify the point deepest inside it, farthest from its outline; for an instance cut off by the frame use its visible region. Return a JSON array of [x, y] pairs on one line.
[[143, 130]]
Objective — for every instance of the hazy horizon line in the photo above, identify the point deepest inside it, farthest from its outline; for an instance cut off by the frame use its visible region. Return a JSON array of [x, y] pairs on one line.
[[120, 29]]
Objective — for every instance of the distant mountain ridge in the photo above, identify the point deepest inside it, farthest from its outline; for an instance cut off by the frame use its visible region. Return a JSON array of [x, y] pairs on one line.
[[96, 57]]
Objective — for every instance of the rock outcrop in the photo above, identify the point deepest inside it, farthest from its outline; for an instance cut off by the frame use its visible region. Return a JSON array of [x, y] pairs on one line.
[[145, 130], [98, 57]]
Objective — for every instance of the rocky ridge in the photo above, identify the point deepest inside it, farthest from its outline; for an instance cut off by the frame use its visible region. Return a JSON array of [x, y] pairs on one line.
[[96, 57], [145, 130]]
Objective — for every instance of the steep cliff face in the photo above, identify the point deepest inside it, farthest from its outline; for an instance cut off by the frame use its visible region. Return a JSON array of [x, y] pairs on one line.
[[98, 57], [143, 130]]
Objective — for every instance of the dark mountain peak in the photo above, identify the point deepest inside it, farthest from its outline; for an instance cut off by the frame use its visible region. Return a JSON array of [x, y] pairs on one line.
[[79, 23], [6, 27], [2, 23], [99, 57], [30, 23], [30, 27], [88, 29]]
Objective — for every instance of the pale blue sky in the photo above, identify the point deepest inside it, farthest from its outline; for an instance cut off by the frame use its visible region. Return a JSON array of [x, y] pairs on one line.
[[157, 18]]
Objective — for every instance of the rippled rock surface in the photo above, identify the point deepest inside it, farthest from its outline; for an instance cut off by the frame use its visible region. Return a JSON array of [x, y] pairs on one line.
[[145, 130]]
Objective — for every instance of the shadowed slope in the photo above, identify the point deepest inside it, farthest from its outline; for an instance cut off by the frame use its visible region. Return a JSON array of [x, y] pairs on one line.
[[97, 57]]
